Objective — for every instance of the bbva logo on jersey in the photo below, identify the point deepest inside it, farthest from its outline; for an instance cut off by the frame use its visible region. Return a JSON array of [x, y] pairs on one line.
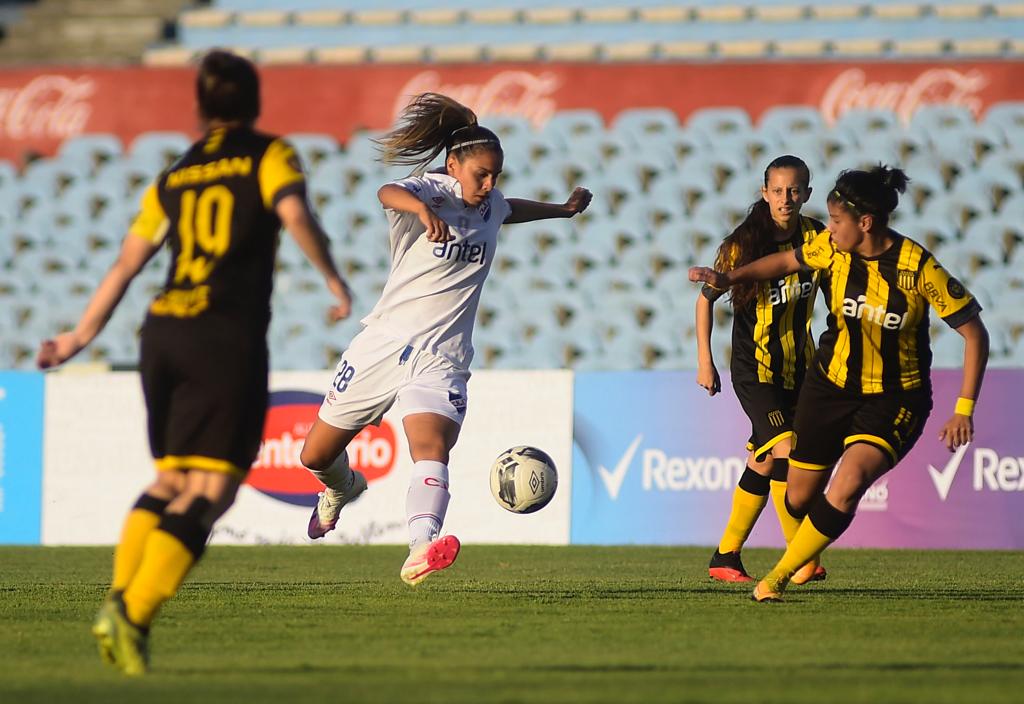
[[278, 472]]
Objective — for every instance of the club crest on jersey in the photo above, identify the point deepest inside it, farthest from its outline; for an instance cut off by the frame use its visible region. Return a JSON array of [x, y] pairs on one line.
[[955, 289], [438, 201], [485, 210], [906, 279]]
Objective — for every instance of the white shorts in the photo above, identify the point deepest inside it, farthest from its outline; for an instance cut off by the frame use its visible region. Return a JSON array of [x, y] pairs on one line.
[[376, 372]]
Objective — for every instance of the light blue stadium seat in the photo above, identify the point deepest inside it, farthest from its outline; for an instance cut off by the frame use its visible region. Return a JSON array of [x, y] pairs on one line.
[[811, 147], [876, 147], [786, 121], [508, 126], [718, 214], [862, 121], [935, 118], [715, 123], [999, 235], [991, 187], [1008, 117], [569, 124], [159, 149], [966, 257], [312, 147], [93, 149], [974, 142], [641, 124]]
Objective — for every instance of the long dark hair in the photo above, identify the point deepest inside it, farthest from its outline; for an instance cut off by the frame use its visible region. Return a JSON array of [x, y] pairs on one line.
[[875, 192], [755, 236], [432, 123], [227, 88]]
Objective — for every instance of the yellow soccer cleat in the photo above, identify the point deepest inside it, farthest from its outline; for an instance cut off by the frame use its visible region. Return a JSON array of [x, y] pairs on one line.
[[811, 572], [121, 643], [765, 593], [429, 558]]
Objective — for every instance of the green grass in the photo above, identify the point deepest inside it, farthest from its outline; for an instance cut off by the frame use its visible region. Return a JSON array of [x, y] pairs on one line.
[[525, 624]]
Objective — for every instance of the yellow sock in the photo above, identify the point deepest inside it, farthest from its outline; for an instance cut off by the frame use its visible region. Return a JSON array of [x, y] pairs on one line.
[[746, 507], [788, 523], [165, 564], [805, 546], [822, 526], [141, 520]]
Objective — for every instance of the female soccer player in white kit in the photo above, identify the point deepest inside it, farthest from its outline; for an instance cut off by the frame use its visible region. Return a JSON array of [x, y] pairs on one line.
[[416, 346]]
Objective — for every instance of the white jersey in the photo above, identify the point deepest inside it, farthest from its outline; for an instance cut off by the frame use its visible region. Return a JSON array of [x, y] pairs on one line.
[[433, 290]]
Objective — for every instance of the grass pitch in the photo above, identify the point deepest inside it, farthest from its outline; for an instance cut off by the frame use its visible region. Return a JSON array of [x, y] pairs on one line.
[[525, 624]]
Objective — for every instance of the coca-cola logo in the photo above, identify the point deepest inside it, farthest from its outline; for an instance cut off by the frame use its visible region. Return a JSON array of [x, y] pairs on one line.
[[50, 106], [522, 93], [852, 89], [278, 472]]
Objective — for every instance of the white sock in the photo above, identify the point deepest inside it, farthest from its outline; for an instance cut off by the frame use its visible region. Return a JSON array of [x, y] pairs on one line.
[[427, 501], [338, 476]]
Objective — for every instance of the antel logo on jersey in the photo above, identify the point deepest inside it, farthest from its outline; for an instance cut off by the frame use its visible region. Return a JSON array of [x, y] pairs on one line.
[[873, 314], [992, 472], [277, 471], [783, 293], [664, 472]]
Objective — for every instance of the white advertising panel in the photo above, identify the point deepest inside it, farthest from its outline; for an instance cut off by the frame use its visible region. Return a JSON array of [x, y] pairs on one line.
[[97, 460]]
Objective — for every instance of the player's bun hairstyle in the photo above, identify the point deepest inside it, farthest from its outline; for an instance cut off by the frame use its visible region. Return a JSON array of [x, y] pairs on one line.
[[875, 192], [432, 123], [228, 88], [755, 236]]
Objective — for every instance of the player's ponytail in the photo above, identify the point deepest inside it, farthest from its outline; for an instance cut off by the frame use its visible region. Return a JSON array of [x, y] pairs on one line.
[[755, 236], [875, 192], [432, 123]]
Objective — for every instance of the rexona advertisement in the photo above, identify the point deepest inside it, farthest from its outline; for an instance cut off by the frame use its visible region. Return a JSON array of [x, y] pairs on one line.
[[656, 461], [103, 454]]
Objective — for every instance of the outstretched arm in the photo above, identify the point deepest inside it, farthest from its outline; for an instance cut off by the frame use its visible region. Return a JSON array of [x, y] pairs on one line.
[[312, 240], [707, 373], [769, 267], [959, 430], [530, 210], [135, 252]]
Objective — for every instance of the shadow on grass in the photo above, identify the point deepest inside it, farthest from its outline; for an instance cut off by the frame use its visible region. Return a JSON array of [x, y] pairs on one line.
[[598, 668]]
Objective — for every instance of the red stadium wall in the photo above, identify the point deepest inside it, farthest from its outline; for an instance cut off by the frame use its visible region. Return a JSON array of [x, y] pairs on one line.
[[40, 108]]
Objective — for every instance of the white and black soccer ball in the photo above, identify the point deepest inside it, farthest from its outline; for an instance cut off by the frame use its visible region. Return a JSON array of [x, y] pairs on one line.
[[523, 479]]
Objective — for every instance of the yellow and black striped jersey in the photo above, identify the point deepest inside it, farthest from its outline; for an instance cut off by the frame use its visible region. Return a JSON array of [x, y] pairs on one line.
[[215, 207], [877, 335], [771, 336]]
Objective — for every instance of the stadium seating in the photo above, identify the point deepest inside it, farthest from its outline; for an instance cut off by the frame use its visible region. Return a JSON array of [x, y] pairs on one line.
[[606, 290], [615, 30]]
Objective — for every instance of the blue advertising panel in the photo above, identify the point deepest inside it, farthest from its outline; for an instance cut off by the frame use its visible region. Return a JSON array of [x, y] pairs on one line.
[[656, 460], [21, 457]]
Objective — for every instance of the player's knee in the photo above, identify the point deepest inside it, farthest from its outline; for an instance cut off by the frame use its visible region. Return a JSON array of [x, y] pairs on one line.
[[314, 458], [435, 449]]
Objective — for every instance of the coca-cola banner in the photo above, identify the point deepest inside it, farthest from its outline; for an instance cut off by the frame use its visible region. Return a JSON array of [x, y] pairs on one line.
[[40, 108]]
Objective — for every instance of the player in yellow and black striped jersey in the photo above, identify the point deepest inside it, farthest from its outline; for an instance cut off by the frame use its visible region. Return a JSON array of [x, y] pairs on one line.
[[869, 392], [771, 348], [204, 362]]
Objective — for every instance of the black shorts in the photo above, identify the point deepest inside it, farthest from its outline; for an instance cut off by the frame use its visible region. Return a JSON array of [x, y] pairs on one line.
[[206, 393], [770, 409], [829, 419]]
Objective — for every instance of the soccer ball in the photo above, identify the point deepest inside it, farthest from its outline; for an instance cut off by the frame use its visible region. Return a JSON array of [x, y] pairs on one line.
[[523, 479]]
